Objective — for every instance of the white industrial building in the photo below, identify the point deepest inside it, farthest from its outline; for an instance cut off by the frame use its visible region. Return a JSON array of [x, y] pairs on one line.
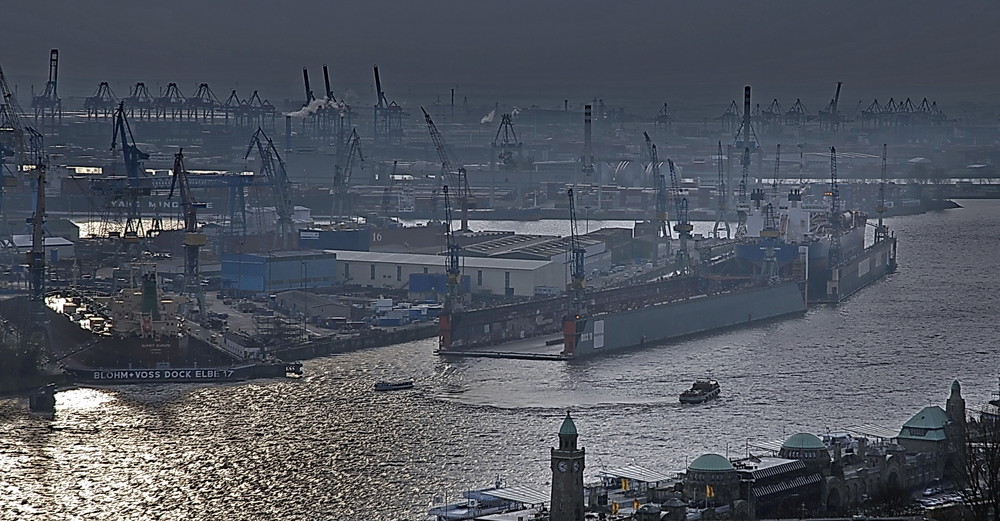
[[497, 276], [56, 248]]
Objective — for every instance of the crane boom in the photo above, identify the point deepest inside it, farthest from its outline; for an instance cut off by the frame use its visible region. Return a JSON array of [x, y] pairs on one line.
[[456, 177], [574, 320], [881, 232], [777, 166], [136, 185], [683, 226], [453, 273], [660, 209], [193, 239], [835, 216], [273, 168], [722, 204], [342, 176]]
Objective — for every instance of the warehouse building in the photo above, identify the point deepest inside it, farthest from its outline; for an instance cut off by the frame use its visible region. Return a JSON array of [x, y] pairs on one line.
[[278, 271], [516, 277]]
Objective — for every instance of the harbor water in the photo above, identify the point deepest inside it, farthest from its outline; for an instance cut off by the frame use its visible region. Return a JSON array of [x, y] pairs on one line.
[[327, 446]]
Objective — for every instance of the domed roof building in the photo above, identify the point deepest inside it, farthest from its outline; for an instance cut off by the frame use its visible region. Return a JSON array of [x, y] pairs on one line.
[[711, 480], [807, 447]]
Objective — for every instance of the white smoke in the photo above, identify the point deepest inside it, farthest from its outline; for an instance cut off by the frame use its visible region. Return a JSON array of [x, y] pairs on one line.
[[515, 112], [316, 105], [489, 117]]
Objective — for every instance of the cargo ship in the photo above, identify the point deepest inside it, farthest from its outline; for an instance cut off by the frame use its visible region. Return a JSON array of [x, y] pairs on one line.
[[139, 335], [839, 262]]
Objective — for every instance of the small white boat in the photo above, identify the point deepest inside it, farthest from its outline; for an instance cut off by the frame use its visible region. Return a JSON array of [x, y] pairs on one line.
[[393, 386], [703, 390]]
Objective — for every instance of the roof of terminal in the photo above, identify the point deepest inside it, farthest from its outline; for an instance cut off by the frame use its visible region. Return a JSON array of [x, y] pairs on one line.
[[422, 260], [530, 247]]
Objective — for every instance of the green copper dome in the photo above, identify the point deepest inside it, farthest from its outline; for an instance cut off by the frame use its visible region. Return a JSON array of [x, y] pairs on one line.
[[803, 441], [711, 463], [568, 427]]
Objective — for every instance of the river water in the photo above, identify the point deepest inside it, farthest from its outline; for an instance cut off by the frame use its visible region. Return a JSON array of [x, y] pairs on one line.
[[328, 447]]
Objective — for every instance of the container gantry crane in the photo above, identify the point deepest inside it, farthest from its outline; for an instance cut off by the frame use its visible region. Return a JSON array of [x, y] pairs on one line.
[[506, 146], [193, 239], [456, 177], [388, 124], [273, 169], [48, 105], [342, 177]]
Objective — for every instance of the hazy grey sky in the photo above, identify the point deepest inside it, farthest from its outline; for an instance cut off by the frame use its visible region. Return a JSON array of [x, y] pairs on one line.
[[524, 46]]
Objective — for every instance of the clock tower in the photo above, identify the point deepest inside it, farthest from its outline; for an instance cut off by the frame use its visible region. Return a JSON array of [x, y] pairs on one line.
[[567, 475]]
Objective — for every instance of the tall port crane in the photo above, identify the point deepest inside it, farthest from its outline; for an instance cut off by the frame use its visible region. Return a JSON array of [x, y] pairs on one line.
[[137, 183], [777, 167], [683, 227], [769, 234], [835, 215], [749, 140], [456, 177], [342, 177], [659, 184], [742, 204], [881, 230], [37, 340], [453, 273], [578, 283], [273, 168], [387, 191], [193, 239], [722, 202], [11, 129]]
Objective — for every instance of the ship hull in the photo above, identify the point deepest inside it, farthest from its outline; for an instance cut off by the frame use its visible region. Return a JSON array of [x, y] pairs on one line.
[[833, 285], [117, 376], [701, 314]]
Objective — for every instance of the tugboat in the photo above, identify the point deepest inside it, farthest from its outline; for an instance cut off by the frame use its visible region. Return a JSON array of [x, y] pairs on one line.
[[703, 390]]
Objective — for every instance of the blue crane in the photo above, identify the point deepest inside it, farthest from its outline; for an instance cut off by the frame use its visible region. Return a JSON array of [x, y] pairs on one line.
[[137, 183]]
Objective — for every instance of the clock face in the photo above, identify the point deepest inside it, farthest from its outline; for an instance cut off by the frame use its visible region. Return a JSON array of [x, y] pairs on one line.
[[562, 466], [576, 466]]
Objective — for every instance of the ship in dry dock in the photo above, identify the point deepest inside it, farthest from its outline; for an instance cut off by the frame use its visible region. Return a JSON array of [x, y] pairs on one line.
[[139, 335], [700, 291]]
